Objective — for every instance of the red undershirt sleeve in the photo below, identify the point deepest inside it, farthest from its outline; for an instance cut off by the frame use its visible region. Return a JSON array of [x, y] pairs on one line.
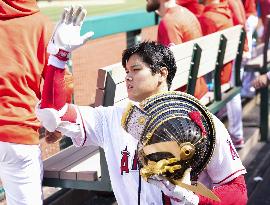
[[54, 94], [233, 192]]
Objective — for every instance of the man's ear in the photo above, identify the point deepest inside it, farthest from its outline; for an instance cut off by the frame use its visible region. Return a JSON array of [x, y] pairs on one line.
[[163, 74]]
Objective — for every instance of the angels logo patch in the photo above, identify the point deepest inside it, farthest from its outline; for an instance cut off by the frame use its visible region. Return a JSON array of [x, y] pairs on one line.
[[128, 162]]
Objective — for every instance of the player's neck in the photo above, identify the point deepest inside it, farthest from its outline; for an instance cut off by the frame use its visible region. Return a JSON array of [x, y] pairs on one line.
[[162, 88]]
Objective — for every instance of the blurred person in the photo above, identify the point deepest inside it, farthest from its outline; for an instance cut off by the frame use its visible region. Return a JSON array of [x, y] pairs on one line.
[[24, 34], [251, 16], [263, 80], [239, 18], [150, 68], [247, 90], [177, 25], [263, 11], [216, 17]]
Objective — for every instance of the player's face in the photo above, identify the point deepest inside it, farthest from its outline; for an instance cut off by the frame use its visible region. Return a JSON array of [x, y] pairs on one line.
[[140, 81], [152, 5]]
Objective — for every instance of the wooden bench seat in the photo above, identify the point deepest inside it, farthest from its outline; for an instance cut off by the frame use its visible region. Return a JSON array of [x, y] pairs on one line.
[[85, 167], [74, 163], [74, 167]]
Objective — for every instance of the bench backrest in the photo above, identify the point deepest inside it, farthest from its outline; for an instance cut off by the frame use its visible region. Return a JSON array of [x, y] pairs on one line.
[[194, 59]]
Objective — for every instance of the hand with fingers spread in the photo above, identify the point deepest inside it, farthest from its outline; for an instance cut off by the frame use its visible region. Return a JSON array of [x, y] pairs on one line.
[[177, 194], [66, 36]]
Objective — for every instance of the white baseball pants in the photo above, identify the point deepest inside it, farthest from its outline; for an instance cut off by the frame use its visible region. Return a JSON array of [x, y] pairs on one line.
[[234, 112], [21, 173]]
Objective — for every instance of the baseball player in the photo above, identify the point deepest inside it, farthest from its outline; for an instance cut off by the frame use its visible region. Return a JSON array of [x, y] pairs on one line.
[[216, 17], [150, 68]]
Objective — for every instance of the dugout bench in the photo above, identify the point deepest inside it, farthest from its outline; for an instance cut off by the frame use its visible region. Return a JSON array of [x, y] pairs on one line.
[[85, 167], [261, 63]]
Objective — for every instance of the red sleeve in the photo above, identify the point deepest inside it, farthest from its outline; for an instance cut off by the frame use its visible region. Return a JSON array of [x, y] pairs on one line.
[[233, 192], [54, 92]]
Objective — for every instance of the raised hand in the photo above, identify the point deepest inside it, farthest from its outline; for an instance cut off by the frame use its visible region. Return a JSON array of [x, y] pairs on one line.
[[66, 36]]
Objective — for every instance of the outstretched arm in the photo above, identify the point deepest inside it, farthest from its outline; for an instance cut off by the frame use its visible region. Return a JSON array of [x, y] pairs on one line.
[[66, 37]]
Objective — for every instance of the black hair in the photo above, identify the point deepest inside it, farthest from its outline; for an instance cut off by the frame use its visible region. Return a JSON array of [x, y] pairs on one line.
[[155, 55]]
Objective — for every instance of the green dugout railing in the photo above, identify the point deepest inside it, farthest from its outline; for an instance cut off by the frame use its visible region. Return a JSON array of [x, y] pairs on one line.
[[129, 22]]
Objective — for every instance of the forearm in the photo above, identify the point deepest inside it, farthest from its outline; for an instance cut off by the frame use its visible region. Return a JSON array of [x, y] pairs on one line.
[[233, 192], [53, 94], [53, 111]]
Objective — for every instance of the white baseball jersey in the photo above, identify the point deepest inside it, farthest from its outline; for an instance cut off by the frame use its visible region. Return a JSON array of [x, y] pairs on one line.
[[102, 126]]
